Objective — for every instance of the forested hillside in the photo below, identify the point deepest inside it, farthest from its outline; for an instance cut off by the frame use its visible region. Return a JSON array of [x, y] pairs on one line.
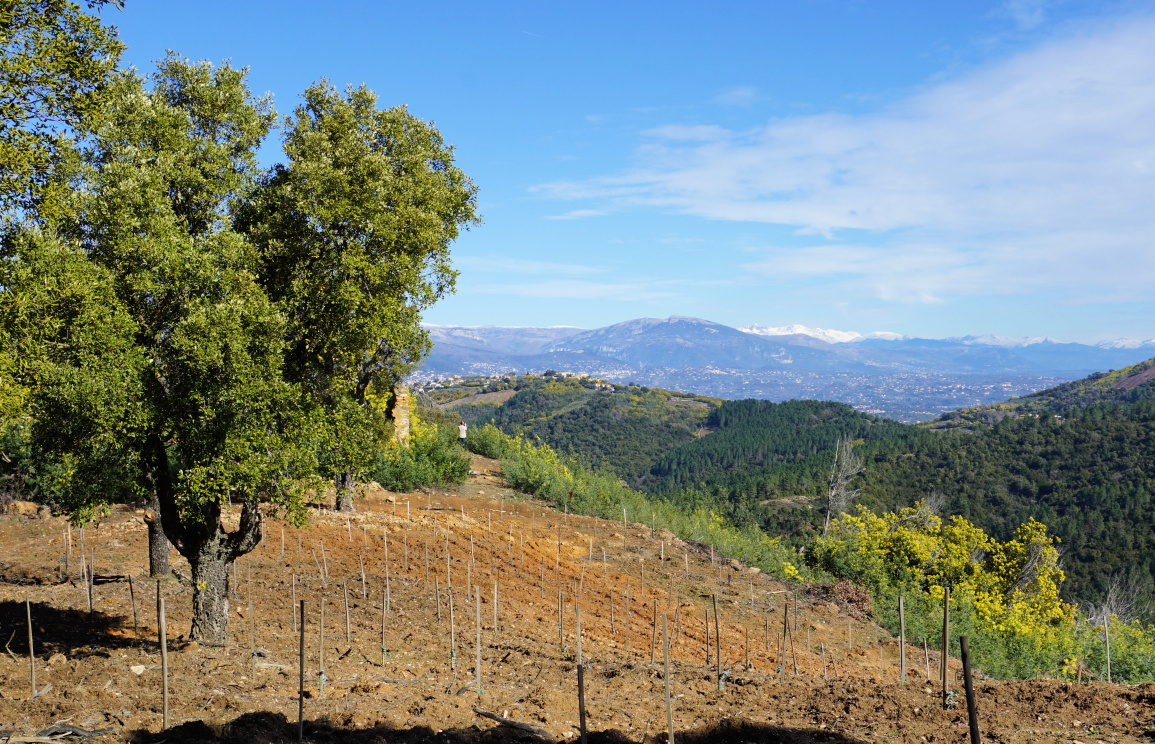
[[1127, 385], [1087, 472], [762, 448], [1089, 477], [623, 428]]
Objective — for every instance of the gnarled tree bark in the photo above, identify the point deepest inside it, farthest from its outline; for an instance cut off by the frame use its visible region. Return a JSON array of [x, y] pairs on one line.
[[345, 485], [158, 567], [209, 550]]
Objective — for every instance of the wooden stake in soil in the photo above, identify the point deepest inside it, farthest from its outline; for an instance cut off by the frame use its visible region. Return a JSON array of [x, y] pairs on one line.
[[560, 621], [901, 640], [31, 652], [252, 634], [361, 561], [496, 626], [348, 626], [707, 638], [580, 673], [613, 633], [543, 577], [605, 571], [437, 596], [452, 636], [384, 606], [132, 598], [427, 564], [388, 591], [823, 647], [321, 648], [666, 664], [324, 560], [282, 543], [448, 568], [320, 573], [943, 665], [972, 711], [91, 577], [654, 637], [1107, 640], [477, 598], [793, 654], [747, 648], [717, 641], [293, 606], [782, 638], [627, 617], [926, 655], [301, 678], [162, 632], [84, 577], [809, 653]]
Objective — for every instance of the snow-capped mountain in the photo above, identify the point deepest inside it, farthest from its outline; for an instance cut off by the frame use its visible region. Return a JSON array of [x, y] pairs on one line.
[[828, 335], [990, 339], [1126, 343]]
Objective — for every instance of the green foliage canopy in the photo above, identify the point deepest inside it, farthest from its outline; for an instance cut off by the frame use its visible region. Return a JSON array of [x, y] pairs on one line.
[[353, 233], [55, 63]]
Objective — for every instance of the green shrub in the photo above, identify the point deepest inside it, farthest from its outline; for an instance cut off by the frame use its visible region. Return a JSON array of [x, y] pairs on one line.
[[433, 457], [487, 441]]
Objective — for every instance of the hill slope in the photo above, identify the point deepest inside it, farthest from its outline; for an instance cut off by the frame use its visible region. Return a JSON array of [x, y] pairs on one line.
[[1127, 385], [623, 428]]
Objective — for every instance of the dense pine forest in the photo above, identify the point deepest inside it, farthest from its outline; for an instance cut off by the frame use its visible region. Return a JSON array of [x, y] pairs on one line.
[[1079, 458]]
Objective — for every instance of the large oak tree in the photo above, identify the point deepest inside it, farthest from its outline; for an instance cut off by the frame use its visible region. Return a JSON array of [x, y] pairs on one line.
[[201, 329], [354, 231]]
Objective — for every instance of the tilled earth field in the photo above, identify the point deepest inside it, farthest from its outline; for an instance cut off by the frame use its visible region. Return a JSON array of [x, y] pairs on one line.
[[410, 673]]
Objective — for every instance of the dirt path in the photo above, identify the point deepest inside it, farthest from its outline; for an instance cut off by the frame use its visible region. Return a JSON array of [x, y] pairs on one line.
[[417, 685]]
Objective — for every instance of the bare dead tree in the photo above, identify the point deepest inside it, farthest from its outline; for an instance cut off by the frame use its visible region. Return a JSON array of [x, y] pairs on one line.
[[928, 507], [1125, 600], [839, 494], [1039, 556]]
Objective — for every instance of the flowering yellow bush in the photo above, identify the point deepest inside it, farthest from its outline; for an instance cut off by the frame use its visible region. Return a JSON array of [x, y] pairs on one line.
[[1010, 590]]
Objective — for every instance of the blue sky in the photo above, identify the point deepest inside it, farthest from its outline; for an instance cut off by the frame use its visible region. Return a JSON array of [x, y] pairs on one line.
[[934, 169]]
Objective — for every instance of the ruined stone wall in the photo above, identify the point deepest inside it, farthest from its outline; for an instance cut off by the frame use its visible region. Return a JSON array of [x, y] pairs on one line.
[[400, 414]]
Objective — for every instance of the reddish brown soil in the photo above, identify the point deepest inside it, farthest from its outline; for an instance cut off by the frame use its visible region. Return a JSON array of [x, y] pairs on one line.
[[1135, 380], [528, 674]]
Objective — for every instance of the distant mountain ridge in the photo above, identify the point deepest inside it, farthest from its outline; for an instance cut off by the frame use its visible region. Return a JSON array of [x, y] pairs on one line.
[[903, 377]]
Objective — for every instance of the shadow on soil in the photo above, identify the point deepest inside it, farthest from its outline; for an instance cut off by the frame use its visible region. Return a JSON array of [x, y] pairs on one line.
[[273, 728], [63, 631]]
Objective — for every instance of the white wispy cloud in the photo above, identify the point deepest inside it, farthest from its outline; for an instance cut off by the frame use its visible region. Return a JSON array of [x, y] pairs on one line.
[[578, 214], [508, 265], [740, 96], [1027, 14], [1034, 174]]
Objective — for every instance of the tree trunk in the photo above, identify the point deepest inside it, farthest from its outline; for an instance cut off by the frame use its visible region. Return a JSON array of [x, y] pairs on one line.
[[344, 484], [210, 576], [209, 550], [157, 542]]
